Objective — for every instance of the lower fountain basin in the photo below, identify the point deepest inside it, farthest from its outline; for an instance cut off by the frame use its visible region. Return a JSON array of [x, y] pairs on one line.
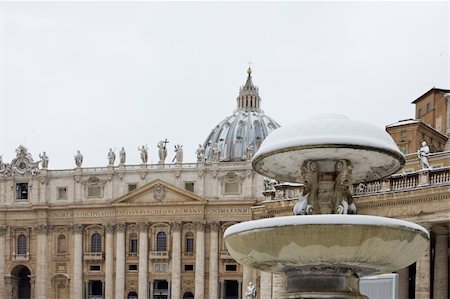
[[363, 245]]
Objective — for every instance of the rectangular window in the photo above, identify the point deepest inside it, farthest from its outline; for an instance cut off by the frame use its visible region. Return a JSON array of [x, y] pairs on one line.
[[190, 245], [133, 245], [22, 191], [94, 268], [188, 267], [419, 113], [231, 267], [428, 107], [132, 187], [189, 186], [132, 268], [231, 188], [62, 193], [94, 191]]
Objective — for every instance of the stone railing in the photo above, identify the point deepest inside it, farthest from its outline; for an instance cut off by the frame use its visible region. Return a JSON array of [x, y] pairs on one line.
[[406, 181], [20, 257], [158, 255], [93, 256], [61, 255]]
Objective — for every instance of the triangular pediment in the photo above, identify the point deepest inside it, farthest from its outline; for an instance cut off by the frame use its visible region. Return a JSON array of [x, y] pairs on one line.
[[159, 192]]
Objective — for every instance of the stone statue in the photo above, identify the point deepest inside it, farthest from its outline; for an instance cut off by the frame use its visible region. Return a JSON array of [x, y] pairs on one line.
[[144, 154], [215, 153], [422, 154], [178, 154], [200, 153], [111, 157], [250, 151], [269, 184], [44, 160], [250, 292], [78, 159], [122, 156], [162, 151]]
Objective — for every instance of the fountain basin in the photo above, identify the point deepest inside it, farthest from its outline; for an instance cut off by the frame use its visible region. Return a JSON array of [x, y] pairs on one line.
[[363, 245]]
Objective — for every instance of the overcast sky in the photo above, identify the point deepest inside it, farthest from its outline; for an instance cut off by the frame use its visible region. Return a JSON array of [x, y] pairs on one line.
[[93, 75]]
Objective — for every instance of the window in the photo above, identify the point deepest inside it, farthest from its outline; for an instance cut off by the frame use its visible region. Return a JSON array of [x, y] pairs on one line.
[[21, 244], [428, 107], [132, 187], [189, 242], [62, 244], [94, 268], [231, 267], [188, 267], [189, 186], [22, 191], [62, 193], [96, 243], [161, 241], [132, 268], [419, 113], [133, 243], [94, 191], [231, 188], [404, 149]]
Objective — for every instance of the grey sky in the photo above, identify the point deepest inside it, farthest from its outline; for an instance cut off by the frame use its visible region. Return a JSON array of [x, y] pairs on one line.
[[90, 76]]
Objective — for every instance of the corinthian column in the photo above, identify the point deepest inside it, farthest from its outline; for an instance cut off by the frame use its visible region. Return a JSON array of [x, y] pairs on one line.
[[120, 261], [176, 259], [143, 260], [109, 261], [440, 285], [77, 288], [41, 261], [2, 260], [423, 272], [200, 260], [213, 260]]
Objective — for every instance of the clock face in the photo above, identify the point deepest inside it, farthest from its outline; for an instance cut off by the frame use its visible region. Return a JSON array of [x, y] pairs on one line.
[[22, 165]]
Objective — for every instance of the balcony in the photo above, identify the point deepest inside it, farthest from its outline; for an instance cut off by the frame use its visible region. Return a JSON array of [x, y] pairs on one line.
[[133, 254], [158, 255], [20, 257], [93, 256], [188, 254]]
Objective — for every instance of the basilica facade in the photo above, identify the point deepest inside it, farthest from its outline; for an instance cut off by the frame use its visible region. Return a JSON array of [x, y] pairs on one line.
[[156, 230]]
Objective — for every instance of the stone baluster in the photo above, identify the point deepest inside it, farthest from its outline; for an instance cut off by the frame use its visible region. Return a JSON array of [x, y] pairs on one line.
[[176, 259], [213, 260], [440, 285], [120, 260], [77, 287], [200, 260], [109, 261], [143, 260], [423, 272], [3, 230]]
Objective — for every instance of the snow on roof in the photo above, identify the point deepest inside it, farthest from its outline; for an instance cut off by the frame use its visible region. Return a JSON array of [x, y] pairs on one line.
[[404, 122]]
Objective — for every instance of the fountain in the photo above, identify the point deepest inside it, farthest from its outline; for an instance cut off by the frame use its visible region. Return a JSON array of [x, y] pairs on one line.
[[325, 248]]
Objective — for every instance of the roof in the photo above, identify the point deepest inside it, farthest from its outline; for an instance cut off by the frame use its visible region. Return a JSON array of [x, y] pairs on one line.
[[434, 89]]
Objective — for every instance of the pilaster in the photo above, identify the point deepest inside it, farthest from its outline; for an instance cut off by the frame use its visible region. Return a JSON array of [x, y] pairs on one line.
[[423, 272], [109, 261], [120, 260], [143, 260], [77, 287], [176, 259], [440, 284], [213, 260], [200, 260]]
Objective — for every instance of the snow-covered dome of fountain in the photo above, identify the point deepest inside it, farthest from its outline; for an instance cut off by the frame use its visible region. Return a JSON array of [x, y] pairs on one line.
[[371, 150]]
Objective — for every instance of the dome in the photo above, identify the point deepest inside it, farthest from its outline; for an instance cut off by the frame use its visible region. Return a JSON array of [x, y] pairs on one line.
[[240, 135], [371, 150]]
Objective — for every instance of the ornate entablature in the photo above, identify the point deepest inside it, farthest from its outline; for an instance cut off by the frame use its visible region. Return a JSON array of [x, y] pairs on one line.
[[22, 164], [231, 176]]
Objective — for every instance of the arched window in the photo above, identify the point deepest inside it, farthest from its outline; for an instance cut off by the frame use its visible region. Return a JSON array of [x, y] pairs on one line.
[[189, 242], [161, 241], [188, 295], [21, 244], [133, 241], [62, 244], [132, 295], [96, 243]]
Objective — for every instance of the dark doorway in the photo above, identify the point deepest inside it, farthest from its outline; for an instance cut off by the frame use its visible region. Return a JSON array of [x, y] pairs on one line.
[[160, 289], [231, 289], [95, 289], [22, 274], [188, 295]]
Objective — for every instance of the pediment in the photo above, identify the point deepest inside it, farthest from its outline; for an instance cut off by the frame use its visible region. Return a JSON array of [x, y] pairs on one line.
[[159, 192]]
